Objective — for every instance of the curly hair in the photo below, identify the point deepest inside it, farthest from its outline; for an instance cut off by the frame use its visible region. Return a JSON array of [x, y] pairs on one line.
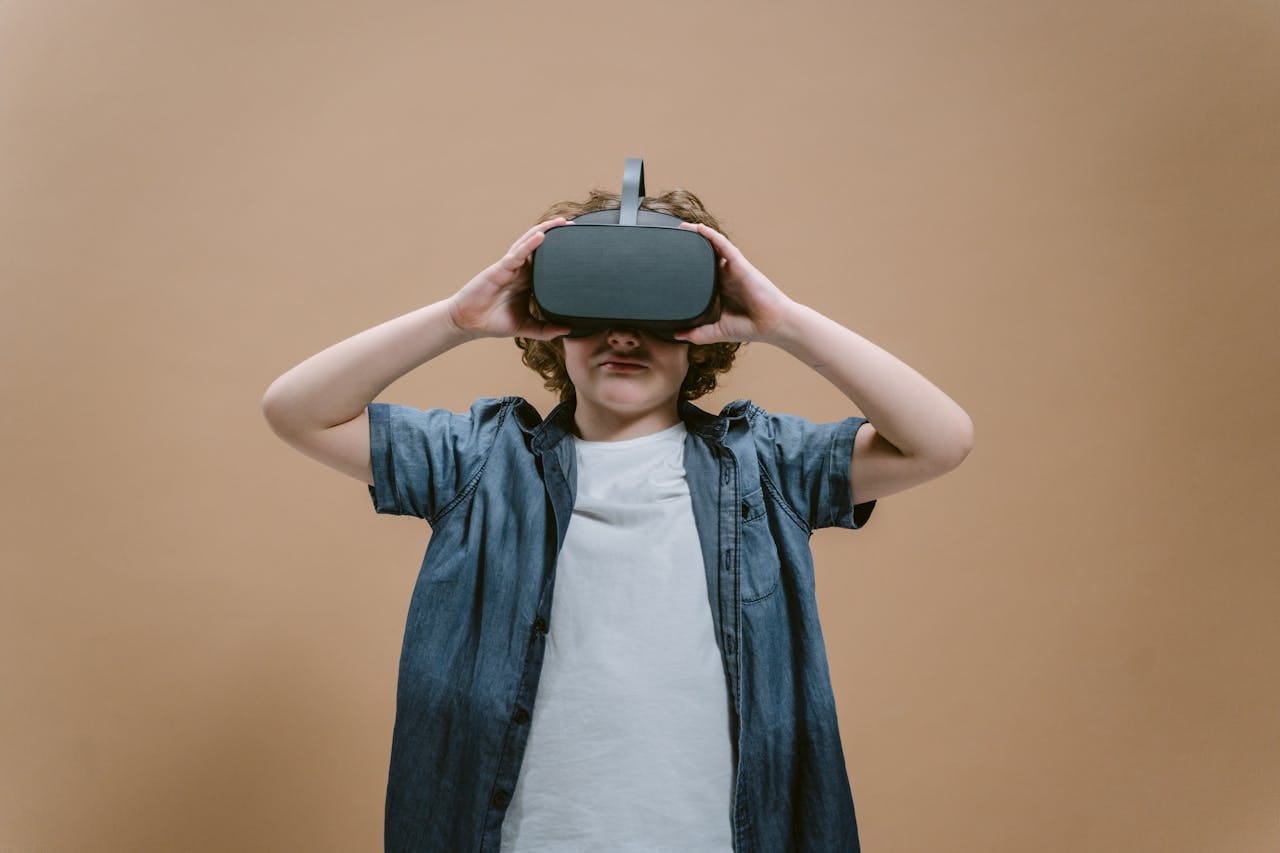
[[706, 361]]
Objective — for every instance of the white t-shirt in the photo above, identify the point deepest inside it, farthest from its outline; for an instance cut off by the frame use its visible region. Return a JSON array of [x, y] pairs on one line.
[[629, 738]]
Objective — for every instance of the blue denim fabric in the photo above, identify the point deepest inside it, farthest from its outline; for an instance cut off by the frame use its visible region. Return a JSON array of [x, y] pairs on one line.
[[496, 484]]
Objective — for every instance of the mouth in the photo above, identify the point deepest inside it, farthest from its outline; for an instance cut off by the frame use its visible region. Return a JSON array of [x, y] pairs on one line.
[[623, 366]]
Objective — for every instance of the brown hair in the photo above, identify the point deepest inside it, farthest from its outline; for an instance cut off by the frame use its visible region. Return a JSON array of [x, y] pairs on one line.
[[705, 360]]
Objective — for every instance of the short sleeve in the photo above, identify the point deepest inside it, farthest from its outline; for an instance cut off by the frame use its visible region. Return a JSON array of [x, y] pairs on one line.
[[810, 463], [423, 460]]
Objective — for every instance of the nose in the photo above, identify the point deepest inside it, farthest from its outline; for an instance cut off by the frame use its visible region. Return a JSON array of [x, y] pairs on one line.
[[623, 336]]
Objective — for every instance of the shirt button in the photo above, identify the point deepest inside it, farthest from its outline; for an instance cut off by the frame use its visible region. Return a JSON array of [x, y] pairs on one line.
[[521, 716], [540, 625], [501, 798]]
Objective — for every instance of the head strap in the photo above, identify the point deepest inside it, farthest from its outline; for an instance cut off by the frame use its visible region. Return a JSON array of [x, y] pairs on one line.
[[632, 190]]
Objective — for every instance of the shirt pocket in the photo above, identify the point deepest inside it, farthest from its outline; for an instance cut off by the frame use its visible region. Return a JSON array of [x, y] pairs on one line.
[[760, 567]]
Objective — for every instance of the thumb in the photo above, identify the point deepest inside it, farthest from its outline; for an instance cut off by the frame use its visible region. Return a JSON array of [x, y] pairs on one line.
[[546, 331], [699, 335]]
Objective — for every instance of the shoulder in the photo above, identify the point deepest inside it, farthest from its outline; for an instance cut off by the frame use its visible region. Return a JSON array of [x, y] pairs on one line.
[[501, 413], [501, 420], [473, 429], [523, 413], [763, 423], [481, 408], [499, 408]]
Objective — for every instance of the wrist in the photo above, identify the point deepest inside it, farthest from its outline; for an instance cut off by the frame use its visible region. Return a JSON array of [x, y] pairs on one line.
[[790, 327], [460, 329]]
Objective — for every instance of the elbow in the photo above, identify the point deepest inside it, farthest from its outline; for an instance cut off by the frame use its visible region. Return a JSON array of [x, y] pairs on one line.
[[270, 415], [963, 442], [268, 403], [957, 446], [273, 412]]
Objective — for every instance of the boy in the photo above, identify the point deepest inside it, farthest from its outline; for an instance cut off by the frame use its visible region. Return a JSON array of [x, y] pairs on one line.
[[673, 694]]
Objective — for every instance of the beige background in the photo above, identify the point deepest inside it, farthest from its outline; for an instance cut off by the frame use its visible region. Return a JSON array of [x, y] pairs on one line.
[[1064, 214]]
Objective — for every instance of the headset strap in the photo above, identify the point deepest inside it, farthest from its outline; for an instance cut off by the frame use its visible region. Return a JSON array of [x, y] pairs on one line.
[[632, 190]]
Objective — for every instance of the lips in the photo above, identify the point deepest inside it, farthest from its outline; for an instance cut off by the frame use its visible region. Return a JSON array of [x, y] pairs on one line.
[[621, 360], [617, 367]]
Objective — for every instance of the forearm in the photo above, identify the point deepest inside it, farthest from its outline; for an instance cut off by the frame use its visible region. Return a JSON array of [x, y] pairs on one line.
[[336, 384], [907, 410]]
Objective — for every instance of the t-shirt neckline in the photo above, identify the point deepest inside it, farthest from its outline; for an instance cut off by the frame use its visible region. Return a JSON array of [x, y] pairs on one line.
[[630, 442]]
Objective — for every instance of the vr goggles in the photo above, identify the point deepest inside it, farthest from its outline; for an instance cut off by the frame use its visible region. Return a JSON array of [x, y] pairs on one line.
[[627, 267]]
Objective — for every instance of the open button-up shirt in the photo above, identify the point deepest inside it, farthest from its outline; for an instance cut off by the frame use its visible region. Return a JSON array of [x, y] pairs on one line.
[[496, 484]]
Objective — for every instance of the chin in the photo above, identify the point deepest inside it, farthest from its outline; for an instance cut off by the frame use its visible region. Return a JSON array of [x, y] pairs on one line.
[[626, 399], [624, 402]]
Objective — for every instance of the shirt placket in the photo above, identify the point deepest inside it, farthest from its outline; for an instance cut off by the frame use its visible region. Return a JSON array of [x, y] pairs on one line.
[[730, 575], [730, 571]]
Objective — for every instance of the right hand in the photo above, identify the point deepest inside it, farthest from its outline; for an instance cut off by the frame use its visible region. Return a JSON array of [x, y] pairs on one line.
[[496, 302]]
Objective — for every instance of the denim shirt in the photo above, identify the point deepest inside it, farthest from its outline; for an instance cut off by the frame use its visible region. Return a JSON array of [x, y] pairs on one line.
[[497, 486]]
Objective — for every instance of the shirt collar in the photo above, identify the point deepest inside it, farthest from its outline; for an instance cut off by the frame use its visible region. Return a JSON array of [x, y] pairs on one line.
[[559, 422]]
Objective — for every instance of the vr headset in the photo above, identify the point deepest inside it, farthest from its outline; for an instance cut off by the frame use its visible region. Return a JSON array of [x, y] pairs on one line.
[[626, 267]]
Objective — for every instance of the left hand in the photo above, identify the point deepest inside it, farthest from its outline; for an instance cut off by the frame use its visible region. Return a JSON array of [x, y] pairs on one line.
[[752, 308]]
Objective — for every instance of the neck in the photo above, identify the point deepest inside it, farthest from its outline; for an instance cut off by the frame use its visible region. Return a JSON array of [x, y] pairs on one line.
[[593, 422]]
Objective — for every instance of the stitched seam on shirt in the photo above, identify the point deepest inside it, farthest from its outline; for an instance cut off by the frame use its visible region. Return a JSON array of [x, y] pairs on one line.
[[840, 473], [782, 501], [471, 484], [388, 461], [770, 485]]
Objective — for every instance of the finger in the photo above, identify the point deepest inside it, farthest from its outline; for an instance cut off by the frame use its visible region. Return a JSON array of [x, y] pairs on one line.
[[518, 247], [721, 242], [529, 241], [511, 262], [546, 225], [539, 231], [521, 251]]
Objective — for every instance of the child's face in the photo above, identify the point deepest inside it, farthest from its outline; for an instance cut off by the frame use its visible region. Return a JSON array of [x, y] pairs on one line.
[[593, 364]]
